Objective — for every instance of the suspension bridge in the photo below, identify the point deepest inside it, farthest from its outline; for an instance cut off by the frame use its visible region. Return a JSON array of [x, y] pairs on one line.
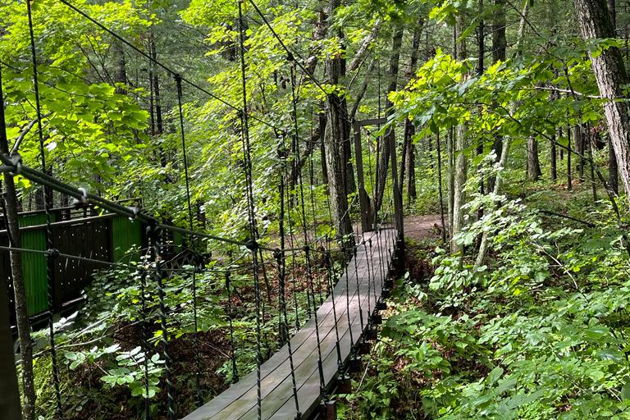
[[316, 343]]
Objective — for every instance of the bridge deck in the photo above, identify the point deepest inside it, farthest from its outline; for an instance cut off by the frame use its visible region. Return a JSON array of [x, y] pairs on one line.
[[365, 284]]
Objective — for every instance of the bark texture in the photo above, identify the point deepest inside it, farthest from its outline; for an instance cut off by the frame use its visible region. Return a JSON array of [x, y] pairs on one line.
[[610, 74], [533, 160], [334, 138]]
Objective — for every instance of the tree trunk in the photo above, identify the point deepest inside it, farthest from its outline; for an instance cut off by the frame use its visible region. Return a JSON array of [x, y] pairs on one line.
[[578, 136], [407, 159], [19, 288], [412, 194], [554, 158], [569, 167], [459, 143], [120, 75], [499, 53], [322, 145], [613, 177], [450, 151], [390, 135], [610, 75], [333, 139], [533, 160], [499, 41], [9, 391], [459, 196], [483, 245]]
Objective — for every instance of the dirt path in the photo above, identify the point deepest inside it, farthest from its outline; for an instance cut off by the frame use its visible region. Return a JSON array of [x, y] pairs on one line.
[[423, 227]]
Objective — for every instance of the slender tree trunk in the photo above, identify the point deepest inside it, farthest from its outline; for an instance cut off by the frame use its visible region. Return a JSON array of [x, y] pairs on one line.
[[450, 150], [322, 145], [19, 288], [610, 74], [461, 164], [412, 193], [499, 53], [390, 135], [120, 75], [589, 146], [613, 177], [438, 149], [156, 112], [554, 159], [407, 159], [533, 160], [483, 245], [569, 167], [578, 136]]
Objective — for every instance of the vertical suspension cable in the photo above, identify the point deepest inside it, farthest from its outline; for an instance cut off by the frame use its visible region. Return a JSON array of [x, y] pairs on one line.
[[331, 286], [263, 306], [145, 333], [347, 276], [155, 243], [178, 82], [230, 315], [356, 275], [369, 257], [280, 258], [50, 256], [307, 251], [250, 202]]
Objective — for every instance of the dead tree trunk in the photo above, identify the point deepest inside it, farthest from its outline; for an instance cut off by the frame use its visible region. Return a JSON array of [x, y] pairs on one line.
[[610, 75]]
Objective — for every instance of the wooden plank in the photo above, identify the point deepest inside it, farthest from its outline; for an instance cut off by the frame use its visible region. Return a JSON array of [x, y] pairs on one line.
[[274, 400], [240, 400]]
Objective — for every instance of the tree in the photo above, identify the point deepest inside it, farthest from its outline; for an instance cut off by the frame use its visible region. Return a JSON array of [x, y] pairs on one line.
[[334, 138], [610, 74]]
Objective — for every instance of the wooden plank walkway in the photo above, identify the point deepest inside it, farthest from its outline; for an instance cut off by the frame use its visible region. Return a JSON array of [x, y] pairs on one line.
[[365, 285]]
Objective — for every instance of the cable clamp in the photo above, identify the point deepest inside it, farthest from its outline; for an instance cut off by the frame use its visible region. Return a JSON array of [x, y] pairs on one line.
[[53, 253], [135, 211], [84, 195], [252, 245]]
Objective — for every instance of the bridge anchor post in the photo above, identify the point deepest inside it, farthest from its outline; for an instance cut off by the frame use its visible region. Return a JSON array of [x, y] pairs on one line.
[[344, 384], [328, 410]]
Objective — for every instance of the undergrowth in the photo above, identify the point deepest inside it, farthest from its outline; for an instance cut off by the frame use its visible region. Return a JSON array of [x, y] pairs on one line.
[[539, 332]]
